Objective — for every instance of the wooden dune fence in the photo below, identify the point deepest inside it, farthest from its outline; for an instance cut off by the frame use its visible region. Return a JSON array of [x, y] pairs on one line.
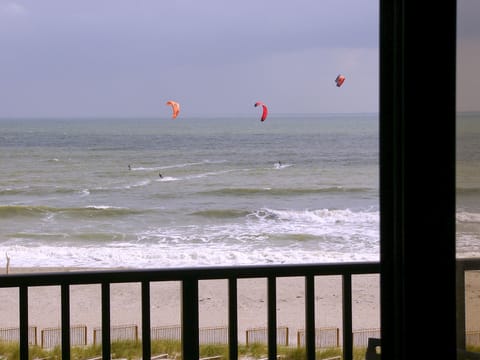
[[51, 337], [260, 336], [217, 335], [324, 337], [117, 333], [472, 337], [12, 334], [173, 332], [360, 337]]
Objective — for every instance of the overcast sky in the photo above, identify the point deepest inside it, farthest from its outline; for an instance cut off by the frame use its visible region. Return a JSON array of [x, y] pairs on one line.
[[89, 58], [468, 55], [128, 57]]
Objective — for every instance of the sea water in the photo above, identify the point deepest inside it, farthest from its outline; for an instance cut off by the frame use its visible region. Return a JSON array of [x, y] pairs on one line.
[[468, 185], [147, 193]]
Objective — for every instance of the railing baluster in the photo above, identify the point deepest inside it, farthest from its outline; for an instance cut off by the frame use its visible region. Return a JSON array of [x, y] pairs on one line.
[[272, 318], [310, 316], [460, 300], [23, 322], [232, 318], [106, 347], [146, 344], [190, 331], [347, 316], [65, 301]]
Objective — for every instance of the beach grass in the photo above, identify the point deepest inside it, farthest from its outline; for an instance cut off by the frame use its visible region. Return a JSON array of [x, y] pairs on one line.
[[133, 350]]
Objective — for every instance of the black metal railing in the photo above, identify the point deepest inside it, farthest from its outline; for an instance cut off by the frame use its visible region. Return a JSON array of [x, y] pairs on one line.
[[189, 278]]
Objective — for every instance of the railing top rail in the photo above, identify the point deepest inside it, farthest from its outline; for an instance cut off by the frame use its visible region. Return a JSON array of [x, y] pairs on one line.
[[178, 274], [469, 263]]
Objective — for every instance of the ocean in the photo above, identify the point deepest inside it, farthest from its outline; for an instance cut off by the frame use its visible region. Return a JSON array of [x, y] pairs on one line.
[[201, 191]]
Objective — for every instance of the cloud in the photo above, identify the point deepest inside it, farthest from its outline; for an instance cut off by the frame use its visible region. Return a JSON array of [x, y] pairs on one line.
[[12, 9]]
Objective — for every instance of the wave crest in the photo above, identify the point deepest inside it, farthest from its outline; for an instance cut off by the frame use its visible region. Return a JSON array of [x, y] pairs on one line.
[[9, 211]]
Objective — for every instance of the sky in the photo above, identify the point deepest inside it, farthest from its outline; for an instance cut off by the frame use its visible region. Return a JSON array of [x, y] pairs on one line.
[[111, 58], [108, 58], [468, 55]]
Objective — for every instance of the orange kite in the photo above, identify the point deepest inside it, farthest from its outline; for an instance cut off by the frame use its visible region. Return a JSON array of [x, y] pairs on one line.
[[175, 108]]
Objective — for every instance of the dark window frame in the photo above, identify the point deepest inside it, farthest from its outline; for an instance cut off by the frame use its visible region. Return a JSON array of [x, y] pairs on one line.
[[417, 178]]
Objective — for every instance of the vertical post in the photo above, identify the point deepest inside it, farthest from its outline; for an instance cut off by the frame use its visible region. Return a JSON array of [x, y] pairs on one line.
[[232, 319], [347, 317], [310, 317], [23, 322], [190, 331], [460, 280], [417, 178], [146, 341], [65, 296], [106, 346], [272, 318]]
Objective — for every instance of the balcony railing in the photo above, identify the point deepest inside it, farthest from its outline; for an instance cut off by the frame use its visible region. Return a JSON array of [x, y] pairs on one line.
[[189, 279]]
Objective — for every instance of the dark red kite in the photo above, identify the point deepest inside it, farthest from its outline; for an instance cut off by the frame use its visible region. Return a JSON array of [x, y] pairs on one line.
[[265, 110], [339, 80]]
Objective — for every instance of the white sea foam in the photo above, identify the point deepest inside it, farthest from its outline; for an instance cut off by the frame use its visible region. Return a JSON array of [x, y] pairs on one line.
[[155, 256], [265, 237], [468, 217], [168, 178]]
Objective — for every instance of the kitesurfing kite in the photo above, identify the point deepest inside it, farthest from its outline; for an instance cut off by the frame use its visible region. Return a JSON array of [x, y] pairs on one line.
[[175, 108], [265, 110], [339, 80]]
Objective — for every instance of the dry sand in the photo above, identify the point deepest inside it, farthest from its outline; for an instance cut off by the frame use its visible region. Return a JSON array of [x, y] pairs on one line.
[[44, 303]]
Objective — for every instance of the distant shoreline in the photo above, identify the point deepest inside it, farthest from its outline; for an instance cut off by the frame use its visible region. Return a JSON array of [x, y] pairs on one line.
[[191, 116]]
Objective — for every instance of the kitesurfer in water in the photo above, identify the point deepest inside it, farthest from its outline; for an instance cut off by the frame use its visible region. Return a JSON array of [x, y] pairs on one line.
[[160, 175]]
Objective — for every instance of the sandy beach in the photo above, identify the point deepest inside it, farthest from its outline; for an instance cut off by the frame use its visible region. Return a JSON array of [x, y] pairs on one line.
[[44, 303]]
